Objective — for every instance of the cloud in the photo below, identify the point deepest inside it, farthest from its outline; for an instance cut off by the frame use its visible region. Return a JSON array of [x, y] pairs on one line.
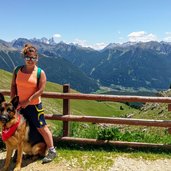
[[84, 43], [57, 37], [141, 36], [99, 46], [81, 42], [168, 37]]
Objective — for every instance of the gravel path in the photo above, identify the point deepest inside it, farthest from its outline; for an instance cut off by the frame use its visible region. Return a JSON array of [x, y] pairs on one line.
[[120, 164], [129, 164]]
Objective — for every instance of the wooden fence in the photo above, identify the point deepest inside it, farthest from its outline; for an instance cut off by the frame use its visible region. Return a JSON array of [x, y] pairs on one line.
[[66, 117]]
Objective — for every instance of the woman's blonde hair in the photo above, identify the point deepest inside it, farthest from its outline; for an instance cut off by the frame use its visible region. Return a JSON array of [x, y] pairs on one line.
[[28, 48]]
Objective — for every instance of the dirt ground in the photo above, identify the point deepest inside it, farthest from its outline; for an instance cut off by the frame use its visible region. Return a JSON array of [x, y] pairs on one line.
[[120, 164], [129, 164]]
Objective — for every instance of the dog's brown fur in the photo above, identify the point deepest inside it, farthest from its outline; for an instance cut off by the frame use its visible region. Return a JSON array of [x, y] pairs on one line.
[[20, 139]]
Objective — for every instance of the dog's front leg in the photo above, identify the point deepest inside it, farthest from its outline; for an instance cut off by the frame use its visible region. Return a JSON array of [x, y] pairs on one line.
[[19, 157], [8, 158]]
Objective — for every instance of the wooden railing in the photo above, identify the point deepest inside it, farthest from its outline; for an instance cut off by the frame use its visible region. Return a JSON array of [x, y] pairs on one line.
[[66, 117]]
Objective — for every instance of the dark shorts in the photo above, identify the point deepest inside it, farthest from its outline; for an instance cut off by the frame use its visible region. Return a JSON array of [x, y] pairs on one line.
[[34, 114]]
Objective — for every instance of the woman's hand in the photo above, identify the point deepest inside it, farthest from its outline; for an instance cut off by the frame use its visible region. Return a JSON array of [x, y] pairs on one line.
[[24, 104]]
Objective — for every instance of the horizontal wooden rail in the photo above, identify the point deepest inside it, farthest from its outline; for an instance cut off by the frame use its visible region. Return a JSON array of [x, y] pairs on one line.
[[99, 97], [109, 142], [110, 120]]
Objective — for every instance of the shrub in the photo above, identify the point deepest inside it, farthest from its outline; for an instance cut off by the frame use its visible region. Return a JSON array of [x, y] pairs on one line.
[[109, 133]]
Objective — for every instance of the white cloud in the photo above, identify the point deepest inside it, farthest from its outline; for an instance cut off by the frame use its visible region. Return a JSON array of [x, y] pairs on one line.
[[168, 37], [141, 36], [81, 42], [99, 46], [84, 43], [57, 37], [168, 33], [121, 39]]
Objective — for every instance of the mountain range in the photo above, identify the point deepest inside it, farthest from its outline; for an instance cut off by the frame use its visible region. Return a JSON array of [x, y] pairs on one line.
[[129, 64]]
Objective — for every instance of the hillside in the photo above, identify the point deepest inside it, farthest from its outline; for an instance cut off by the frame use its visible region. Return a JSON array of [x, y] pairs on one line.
[[95, 108], [81, 107], [109, 161]]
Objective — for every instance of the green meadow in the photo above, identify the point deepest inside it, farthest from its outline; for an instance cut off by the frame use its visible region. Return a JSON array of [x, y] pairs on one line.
[[103, 109], [98, 158]]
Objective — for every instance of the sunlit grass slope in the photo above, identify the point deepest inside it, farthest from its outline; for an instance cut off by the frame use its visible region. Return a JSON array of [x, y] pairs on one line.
[[78, 107]]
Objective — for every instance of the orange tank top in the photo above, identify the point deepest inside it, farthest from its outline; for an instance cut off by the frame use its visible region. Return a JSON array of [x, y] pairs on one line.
[[27, 86]]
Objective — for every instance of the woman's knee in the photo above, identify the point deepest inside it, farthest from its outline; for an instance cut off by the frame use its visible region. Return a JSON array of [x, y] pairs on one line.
[[44, 130]]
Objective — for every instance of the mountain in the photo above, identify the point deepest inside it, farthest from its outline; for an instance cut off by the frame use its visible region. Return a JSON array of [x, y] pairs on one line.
[[61, 71], [129, 65], [135, 65], [57, 69]]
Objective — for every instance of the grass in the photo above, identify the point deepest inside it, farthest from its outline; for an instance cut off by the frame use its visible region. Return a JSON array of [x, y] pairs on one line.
[[87, 160], [95, 158], [115, 133], [78, 107], [102, 108], [102, 158]]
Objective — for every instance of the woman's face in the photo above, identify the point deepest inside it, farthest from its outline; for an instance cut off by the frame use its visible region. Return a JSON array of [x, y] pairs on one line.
[[31, 59]]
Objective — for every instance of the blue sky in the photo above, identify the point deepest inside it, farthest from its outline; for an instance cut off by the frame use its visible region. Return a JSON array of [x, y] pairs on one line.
[[93, 23]]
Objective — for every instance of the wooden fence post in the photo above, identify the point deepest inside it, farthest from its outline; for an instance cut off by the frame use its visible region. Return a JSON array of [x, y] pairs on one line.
[[66, 110], [169, 107]]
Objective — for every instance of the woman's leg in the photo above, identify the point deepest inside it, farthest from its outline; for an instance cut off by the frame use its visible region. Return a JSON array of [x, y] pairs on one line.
[[35, 115], [47, 135]]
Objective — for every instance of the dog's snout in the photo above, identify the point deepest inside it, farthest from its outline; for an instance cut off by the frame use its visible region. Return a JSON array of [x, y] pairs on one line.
[[4, 118]]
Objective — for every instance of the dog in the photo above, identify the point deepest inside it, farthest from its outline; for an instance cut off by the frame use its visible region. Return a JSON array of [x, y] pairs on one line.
[[17, 134]]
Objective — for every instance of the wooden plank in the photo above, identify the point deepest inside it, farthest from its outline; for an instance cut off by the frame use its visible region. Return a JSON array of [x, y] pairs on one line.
[[66, 110], [99, 97], [169, 107], [109, 142], [110, 120]]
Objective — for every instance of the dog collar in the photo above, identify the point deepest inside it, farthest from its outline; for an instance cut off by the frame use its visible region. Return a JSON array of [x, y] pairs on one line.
[[8, 132]]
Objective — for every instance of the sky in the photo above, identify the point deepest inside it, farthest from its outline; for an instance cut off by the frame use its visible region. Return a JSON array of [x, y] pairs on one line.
[[89, 23]]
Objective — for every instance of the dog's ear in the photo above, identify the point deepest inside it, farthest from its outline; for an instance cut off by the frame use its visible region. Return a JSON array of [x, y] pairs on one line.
[[2, 99], [15, 101]]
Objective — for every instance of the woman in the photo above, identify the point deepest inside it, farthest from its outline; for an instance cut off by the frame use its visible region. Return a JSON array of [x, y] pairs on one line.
[[29, 89]]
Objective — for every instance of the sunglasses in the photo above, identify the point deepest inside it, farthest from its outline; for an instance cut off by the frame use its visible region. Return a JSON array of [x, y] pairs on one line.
[[28, 58]]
